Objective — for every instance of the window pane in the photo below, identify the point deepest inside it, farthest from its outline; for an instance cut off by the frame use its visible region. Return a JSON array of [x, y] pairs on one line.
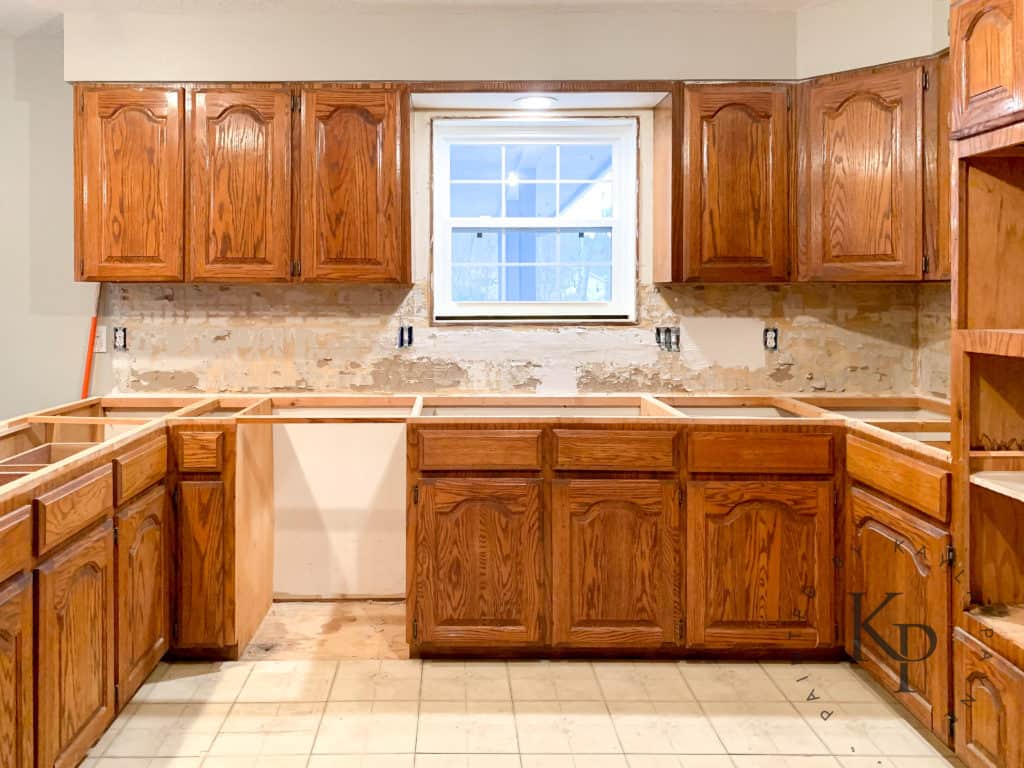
[[473, 283], [585, 283], [476, 246], [586, 162], [476, 161], [530, 161], [531, 283], [476, 199], [588, 201], [527, 200], [593, 246], [526, 246]]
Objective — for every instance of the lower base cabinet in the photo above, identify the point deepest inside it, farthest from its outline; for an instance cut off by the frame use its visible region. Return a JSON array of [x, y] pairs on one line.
[[16, 675], [203, 612], [989, 696], [75, 635]]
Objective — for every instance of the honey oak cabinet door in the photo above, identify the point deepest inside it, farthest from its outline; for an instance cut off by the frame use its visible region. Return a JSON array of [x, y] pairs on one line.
[[129, 203], [898, 576], [352, 192], [614, 552], [75, 635], [987, 52], [480, 562], [240, 186], [759, 564], [204, 582], [143, 590], [863, 216], [16, 676], [737, 170]]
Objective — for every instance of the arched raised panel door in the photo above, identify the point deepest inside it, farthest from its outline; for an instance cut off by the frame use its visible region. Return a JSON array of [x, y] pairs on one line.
[[736, 204], [480, 568], [354, 212], [240, 145], [759, 564], [128, 163], [987, 53], [16, 699], [989, 706], [75, 681], [896, 569], [615, 573], [143, 590], [864, 161]]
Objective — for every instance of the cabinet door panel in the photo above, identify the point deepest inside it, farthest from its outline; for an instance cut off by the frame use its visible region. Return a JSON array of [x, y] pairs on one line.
[[759, 564], [240, 175], [202, 586], [16, 699], [892, 553], [615, 563], [353, 224], [736, 206], [481, 562], [143, 590], [76, 648], [864, 160], [129, 160]]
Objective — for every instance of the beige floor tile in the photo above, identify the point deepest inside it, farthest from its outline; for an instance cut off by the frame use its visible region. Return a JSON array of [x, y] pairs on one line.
[[641, 681], [784, 761], [674, 727], [895, 762], [263, 743], [145, 762], [467, 761], [367, 727], [201, 682], [361, 761], [864, 729], [565, 727], [371, 680], [115, 728], [289, 681], [819, 682], [679, 761], [273, 717], [762, 728], [470, 727], [714, 681], [198, 717], [255, 761], [574, 761], [159, 743], [465, 681], [553, 681]]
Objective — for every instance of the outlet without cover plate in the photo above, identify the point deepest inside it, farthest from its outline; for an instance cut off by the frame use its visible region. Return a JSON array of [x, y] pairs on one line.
[[771, 339], [120, 339]]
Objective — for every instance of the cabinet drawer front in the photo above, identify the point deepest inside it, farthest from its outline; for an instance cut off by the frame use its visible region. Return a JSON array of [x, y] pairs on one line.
[[15, 542], [923, 487], [65, 511], [201, 451], [759, 453], [480, 449], [136, 471], [610, 450]]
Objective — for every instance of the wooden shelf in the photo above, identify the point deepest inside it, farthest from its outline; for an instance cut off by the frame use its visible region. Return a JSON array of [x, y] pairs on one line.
[[1005, 483], [1004, 634], [998, 342]]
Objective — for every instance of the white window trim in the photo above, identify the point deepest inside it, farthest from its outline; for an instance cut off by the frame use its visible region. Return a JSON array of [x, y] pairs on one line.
[[622, 133]]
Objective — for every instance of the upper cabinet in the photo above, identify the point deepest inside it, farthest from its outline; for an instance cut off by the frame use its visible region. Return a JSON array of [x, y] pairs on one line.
[[736, 166], [352, 196], [987, 50], [240, 188], [129, 156]]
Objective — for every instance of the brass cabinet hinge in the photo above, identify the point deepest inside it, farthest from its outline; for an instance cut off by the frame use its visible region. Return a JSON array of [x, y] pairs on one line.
[[415, 494], [681, 629], [295, 102], [925, 264], [415, 629], [926, 81], [296, 269]]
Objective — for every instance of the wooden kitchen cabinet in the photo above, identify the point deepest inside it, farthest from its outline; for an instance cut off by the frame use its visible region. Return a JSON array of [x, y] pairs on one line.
[[480, 571], [240, 184], [352, 186], [143, 590], [204, 605], [759, 564], [129, 202], [899, 574], [737, 168], [615, 547], [75, 643], [17, 735], [987, 53]]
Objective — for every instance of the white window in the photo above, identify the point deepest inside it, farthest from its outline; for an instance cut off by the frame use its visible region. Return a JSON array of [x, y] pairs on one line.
[[535, 219]]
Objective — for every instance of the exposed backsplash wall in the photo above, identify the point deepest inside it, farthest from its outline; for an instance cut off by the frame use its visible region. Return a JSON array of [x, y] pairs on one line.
[[834, 338]]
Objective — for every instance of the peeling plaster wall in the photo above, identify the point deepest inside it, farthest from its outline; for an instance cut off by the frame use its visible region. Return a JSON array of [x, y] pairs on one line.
[[933, 343]]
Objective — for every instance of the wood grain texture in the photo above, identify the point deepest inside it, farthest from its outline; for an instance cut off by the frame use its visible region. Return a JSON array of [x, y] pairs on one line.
[[997, 547], [138, 469], [490, 449], [15, 542], [129, 160], [615, 546], [75, 642], [989, 705], [936, 169], [629, 450], [240, 185], [759, 453], [923, 487], [201, 451], [480, 562], [354, 211], [17, 719], [64, 511], [203, 574], [996, 416], [890, 551], [759, 569], [143, 590], [737, 168]]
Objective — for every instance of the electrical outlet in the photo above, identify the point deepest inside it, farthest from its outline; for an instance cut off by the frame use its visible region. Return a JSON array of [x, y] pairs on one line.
[[667, 338], [100, 344], [771, 339], [120, 339]]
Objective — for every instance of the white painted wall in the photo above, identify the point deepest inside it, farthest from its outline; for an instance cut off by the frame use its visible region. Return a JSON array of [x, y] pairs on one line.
[[43, 312]]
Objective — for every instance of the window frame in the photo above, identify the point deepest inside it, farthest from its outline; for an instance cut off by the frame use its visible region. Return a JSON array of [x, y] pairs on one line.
[[619, 131]]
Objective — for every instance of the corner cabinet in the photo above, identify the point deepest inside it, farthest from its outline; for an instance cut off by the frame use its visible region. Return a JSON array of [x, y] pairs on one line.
[[16, 674]]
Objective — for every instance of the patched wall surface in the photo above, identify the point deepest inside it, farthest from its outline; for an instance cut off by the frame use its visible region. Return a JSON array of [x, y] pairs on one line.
[[933, 322]]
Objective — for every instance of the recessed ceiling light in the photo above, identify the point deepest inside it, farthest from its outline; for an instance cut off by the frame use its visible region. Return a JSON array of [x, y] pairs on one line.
[[536, 102]]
